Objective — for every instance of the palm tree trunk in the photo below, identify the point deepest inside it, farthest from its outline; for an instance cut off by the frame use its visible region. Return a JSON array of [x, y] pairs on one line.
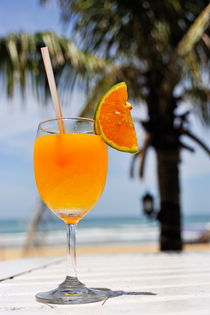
[[169, 216], [29, 243]]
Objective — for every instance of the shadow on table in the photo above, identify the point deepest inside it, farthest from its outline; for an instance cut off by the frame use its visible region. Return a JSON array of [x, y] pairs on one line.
[[112, 294]]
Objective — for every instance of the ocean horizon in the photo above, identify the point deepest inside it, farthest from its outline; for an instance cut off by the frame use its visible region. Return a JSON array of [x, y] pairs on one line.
[[97, 230]]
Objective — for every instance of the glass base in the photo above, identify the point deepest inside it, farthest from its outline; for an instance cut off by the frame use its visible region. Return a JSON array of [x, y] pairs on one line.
[[72, 291]]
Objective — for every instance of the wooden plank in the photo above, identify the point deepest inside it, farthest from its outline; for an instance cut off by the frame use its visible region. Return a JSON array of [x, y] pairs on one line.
[[12, 268], [149, 284]]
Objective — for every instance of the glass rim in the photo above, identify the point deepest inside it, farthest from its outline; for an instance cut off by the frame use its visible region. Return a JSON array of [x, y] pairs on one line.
[[62, 118]]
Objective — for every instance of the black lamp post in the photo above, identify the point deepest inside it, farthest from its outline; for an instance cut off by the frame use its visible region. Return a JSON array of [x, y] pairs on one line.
[[148, 205]]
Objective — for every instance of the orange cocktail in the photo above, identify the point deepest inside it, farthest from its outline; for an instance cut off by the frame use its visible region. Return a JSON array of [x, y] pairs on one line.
[[70, 172], [70, 165]]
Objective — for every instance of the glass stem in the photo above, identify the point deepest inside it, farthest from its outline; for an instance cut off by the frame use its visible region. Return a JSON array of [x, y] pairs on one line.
[[71, 267]]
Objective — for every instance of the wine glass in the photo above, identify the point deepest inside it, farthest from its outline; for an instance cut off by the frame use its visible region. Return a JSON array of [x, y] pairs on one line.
[[70, 171]]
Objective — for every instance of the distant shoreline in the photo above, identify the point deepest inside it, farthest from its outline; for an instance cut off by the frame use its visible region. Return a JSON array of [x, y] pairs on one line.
[[96, 236], [97, 232]]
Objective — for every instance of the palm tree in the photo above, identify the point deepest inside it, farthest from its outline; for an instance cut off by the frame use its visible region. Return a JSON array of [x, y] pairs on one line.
[[158, 47]]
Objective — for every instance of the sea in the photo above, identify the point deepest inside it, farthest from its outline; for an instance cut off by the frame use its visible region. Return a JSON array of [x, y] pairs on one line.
[[97, 230]]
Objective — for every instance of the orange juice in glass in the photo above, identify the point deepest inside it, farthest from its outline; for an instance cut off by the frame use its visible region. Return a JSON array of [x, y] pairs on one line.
[[70, 171]]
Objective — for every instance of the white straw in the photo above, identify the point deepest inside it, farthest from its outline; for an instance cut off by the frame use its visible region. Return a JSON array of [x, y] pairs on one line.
[[52, 86]]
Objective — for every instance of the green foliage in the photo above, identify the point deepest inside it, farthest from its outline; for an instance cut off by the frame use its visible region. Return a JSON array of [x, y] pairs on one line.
[[21, 59], [200, 97], [157, 44], [152, 45], [195, 32]]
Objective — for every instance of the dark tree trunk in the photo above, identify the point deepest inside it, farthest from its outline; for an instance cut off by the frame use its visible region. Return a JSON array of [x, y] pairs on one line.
[[170, 215]]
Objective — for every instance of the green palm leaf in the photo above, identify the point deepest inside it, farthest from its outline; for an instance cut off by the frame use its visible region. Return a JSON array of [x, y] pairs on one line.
[[200, 99], [21, 59], [195, 33], [126, 72]]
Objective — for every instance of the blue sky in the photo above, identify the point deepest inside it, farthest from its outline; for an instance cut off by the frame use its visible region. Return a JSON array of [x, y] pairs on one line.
[[18, 127]]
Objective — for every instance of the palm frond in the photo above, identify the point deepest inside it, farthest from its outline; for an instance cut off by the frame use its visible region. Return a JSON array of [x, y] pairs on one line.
[[129, 73], [21, 59], [100, 88], [195, 32], [141, 156], [197, 140], [192, 68], [200, 99]]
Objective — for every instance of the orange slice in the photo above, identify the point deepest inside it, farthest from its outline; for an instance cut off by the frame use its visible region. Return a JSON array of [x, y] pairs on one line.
[[113, 120]]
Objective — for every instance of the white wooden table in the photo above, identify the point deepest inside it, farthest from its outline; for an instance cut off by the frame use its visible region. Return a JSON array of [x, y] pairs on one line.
[[149, 284]]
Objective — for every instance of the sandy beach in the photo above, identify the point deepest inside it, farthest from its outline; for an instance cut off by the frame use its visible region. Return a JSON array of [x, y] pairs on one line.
[[15, 253]]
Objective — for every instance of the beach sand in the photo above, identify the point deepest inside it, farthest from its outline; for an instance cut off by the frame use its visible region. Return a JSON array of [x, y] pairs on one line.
[[15, 253]]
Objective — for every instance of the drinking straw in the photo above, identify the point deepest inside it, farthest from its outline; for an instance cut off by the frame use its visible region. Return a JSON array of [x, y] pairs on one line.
[[53, 88]]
